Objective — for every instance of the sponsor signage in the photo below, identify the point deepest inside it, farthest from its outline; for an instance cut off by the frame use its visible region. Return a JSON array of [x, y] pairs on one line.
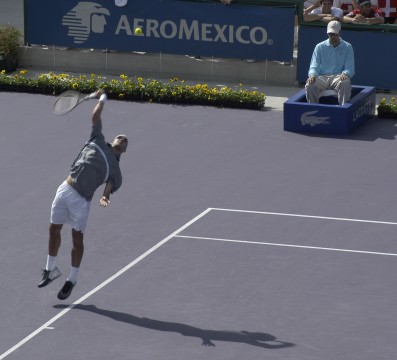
[[323, 118], [169, 26]]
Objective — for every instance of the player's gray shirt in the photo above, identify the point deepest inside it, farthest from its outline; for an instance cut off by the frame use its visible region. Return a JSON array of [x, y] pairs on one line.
[[89, 169]]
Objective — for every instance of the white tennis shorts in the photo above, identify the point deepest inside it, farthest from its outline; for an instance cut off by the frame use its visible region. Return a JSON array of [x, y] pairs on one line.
[[69, 207]]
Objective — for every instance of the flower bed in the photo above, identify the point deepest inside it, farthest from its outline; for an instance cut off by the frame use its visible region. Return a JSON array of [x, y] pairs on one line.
[[387, 109], [134, 89]]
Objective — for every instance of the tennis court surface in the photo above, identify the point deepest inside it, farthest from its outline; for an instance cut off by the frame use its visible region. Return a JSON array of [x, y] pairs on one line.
[[229, 239]]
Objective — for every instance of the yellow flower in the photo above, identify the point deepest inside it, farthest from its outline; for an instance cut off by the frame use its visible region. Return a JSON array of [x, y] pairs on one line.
[[154, 90]]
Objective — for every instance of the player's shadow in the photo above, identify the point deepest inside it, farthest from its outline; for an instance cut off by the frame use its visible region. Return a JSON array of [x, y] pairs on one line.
[[263, 340]]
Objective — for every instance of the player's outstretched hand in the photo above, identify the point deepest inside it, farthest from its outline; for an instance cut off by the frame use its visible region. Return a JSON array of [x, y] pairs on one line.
[[104, 201]]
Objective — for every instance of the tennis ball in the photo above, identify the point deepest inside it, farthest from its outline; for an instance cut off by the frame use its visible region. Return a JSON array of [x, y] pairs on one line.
[[138, 31]]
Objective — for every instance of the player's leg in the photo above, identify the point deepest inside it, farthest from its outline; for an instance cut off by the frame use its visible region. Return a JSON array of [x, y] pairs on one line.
[[76, 257], [79, 216], [51, 272], [59, 215], [78, 248], [54, 241]]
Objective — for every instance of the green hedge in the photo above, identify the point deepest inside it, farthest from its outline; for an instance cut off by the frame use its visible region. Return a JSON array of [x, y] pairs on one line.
[[134, 89]]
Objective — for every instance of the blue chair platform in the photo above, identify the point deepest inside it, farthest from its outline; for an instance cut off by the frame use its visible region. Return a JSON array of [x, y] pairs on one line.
[[328, 117]]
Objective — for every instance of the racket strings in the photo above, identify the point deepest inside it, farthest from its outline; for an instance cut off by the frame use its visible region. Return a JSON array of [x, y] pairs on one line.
[[67, 101]]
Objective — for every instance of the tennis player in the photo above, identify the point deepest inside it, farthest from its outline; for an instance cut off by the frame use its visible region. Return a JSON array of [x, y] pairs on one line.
[[96, 164]]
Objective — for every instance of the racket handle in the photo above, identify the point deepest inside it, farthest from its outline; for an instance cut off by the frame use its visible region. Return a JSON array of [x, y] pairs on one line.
[[91, 96]]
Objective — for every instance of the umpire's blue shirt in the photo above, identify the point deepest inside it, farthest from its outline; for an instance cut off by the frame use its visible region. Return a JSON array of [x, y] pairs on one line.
[[329, 60], [89, 169]]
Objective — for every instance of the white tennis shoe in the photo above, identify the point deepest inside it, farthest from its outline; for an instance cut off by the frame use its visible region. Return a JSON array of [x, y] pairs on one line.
[[49, 276]]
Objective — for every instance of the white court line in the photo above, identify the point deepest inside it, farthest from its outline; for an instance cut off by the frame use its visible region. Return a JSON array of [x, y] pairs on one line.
[[306, 216], [285, 245], [99, 287]]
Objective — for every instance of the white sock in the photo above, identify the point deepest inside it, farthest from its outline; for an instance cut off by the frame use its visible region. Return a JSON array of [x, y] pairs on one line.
[[73, 275], [50, 262]]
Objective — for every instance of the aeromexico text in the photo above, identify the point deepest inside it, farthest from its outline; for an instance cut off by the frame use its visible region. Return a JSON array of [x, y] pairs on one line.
[[184, 30]]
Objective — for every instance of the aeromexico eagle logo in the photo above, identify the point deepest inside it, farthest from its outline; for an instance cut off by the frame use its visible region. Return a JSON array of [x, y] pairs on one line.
[[85, 18]]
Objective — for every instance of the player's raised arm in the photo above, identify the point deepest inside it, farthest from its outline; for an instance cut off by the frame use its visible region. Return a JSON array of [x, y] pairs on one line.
[[96, 114]]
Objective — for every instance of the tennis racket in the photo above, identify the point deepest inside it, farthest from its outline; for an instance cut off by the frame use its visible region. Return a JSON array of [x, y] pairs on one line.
[[67, 101]]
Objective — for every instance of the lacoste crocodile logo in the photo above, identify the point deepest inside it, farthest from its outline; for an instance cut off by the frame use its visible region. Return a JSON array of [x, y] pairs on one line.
[[308, 118]]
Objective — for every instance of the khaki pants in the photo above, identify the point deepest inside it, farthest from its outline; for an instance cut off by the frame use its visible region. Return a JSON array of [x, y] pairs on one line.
[[329, 82]]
